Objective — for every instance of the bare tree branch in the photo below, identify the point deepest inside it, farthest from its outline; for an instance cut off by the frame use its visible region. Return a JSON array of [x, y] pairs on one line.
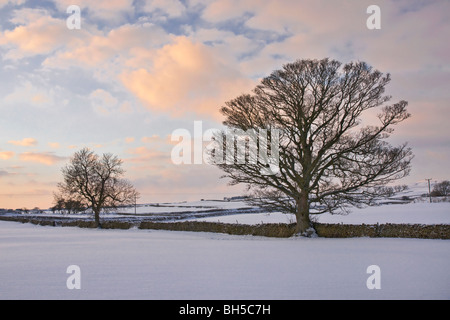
[[327, 159], [96, 182]]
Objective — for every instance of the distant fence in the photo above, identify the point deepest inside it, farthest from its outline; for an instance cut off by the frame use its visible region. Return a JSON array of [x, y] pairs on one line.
[[280, 230]]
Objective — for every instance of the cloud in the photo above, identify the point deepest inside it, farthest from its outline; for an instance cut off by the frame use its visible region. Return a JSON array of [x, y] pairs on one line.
[[97, 47], [186, 77], [36, 32], [223, 10], [131, 54], [171, 8], [112, 11], [296, 29], [29, 93], [105, 55], [126, 107], [291, 16], [5, 155], [3, 173], [13, 2], [405, 44], [54, 145], [103, 101], [26, 142], [46, 158], [148, 156], [151, 139]]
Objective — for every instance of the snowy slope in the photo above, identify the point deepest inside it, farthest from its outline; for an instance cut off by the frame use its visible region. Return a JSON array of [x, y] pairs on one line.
[[410, 206], [143, 264], [411, 213], [415, 210], [184, 206]]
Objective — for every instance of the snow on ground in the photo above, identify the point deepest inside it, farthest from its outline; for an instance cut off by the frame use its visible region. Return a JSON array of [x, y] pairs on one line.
[[156, 209], [185, 206], [149, 264], [146, 264], [410, 213], [418, 211], [250, 218]]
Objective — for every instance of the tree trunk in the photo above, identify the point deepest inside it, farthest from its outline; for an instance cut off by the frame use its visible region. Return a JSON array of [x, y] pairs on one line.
[[97, 219], [302, 215]]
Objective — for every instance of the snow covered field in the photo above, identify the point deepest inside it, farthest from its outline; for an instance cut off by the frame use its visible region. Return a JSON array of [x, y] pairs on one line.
[[148, 264], [418, 211], [411, 213], [145, 264]]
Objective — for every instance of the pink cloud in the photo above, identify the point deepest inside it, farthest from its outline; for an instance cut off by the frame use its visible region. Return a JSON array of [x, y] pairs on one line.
[[146, 155], [94, 49], [36, 33], [54, 145], [5, 155], [43, 158], [153, 138], [187, 77], [129, 140], [26, 142]]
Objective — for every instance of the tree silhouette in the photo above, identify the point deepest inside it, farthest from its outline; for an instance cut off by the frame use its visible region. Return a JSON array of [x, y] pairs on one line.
[[96, 182], [328, 160]]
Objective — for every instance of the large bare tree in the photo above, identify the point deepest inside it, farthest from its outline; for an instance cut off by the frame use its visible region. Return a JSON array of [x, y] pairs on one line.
[[328, 159], [96, 181]]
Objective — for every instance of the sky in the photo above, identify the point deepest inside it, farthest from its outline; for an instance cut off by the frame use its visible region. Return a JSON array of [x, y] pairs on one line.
[[134, 71]]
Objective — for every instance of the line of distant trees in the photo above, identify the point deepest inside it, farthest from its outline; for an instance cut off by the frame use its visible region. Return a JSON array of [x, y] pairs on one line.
[[441, 189], [68, 206]]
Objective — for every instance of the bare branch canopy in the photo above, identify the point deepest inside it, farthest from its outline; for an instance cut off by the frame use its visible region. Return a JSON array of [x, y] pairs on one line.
[[328, 159], [96, 181]]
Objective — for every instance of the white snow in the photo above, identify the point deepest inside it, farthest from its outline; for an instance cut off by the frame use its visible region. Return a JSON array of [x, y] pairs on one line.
[[156, 209], [149, 264], [411, 213], [419, 211], [250, 218], [145, 264], [185, 206]]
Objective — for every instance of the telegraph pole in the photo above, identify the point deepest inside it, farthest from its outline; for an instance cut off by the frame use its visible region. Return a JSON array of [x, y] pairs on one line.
[[429, 188]]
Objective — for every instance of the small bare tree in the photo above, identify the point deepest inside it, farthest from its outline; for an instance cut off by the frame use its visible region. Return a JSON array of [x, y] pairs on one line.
[[96, 182], [327, 159], [441, 189]]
